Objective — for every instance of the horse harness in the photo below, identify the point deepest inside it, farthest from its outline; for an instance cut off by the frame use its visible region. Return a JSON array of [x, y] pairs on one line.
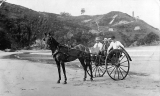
[[82, 54]]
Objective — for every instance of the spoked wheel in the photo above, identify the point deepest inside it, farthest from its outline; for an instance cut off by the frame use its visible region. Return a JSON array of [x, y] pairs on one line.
[[98, 69], [117, 64]]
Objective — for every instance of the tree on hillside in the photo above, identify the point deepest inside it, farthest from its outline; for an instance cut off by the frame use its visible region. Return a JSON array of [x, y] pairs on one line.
[[151, 37], [82, 11], [65, 14], [4, 40], [148, 39]]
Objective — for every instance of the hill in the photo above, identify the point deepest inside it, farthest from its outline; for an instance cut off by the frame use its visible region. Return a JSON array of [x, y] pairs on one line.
[[21, 27], [129, 30]]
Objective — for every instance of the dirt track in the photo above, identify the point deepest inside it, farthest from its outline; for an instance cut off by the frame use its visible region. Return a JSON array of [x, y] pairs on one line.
[[25, 78]]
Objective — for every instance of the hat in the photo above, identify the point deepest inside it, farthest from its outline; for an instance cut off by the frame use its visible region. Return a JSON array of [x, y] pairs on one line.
[[97, 38], [107, 39], [113, 37]]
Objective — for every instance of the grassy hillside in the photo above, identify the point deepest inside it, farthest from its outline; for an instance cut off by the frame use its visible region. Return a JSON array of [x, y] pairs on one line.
[[126, 28], [20, 27]]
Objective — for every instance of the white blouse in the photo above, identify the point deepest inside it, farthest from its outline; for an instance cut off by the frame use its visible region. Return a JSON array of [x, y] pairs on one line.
[[115, 45], [98, 45]]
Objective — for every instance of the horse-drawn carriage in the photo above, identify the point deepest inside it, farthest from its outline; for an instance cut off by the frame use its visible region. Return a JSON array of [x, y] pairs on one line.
[[116, 63]]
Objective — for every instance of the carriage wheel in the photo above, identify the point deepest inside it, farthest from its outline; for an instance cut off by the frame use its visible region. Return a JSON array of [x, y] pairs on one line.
[[98, 69], [117, 64]]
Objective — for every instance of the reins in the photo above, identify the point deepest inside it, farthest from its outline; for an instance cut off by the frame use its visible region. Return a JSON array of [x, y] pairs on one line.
[[58, 50], [81, 53]]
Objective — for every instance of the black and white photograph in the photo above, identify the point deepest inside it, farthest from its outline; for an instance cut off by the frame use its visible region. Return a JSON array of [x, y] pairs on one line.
[[79, 47]]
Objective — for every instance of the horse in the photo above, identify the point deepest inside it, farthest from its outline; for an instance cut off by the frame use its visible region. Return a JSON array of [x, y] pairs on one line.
[[62, 54]]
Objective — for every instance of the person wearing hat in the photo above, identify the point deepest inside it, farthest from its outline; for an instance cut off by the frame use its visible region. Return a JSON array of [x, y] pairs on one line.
[[98, 45], [96, 49], [105, 45], [114, 44], [107, 40]]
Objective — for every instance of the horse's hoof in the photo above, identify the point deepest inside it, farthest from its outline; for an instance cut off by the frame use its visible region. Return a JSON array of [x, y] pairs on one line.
[[84, 79], [58, 81], [65, 82], [91, 79]]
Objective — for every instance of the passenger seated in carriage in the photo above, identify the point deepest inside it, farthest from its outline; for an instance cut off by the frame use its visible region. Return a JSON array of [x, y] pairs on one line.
[[99, 50], [106, 44], [115, 44], [97, 46]]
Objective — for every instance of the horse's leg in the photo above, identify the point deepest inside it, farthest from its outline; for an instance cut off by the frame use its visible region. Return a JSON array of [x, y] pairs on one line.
[[88, 63], [64, 71], [84, 67], [59, 70]]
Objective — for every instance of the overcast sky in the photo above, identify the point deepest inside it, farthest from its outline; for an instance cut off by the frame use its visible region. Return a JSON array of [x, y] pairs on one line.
[[147, 10]]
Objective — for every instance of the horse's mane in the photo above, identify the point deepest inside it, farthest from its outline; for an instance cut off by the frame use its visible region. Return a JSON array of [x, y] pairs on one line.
[[54, 41]]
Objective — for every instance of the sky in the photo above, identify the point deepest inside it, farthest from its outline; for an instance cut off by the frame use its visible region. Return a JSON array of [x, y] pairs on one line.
[[147, 10]]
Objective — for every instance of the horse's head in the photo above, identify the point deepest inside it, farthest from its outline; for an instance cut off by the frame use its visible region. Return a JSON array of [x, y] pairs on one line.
[[50, 41]]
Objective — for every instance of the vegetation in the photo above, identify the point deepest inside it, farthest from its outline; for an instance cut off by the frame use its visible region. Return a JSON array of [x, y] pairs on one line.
[[148, 39], [21, 27], [64, 14]]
